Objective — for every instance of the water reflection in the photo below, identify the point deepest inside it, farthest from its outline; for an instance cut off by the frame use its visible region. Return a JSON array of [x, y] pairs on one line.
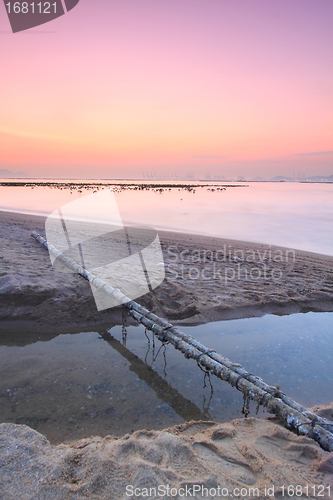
[[120, 380], [163, 390]]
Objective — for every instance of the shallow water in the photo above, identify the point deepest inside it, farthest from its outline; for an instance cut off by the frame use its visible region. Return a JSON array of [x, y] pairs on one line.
[[96, 383], [285, 214]]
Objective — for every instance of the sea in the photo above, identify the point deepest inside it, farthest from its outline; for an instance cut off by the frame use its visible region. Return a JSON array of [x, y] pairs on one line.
[[289, 214]]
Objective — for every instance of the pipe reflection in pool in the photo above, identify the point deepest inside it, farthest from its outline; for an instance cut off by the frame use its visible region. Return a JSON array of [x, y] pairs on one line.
[[164, 391]]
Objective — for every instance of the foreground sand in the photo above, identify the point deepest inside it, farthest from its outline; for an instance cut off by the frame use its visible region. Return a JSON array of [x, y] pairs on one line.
[[244, 458], [207, 279]]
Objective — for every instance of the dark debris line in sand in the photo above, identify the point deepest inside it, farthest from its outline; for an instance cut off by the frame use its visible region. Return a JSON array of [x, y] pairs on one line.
[[298, 418]]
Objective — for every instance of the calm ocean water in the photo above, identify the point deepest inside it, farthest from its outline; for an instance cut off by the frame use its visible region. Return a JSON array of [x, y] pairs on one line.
[[293, 215]]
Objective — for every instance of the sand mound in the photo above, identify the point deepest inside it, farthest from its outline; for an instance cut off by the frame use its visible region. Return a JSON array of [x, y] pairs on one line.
[[248, 454]]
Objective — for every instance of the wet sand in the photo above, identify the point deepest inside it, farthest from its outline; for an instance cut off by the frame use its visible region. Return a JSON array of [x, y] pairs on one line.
[[207, 279]]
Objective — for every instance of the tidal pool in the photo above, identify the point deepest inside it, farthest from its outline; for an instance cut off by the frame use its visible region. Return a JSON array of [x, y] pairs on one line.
[[114, 382]]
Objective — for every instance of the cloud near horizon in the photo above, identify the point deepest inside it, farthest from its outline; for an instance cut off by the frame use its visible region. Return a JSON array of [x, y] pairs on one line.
[[209, 157], [315, 153]]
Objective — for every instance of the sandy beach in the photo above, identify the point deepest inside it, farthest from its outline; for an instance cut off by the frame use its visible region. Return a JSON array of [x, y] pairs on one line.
[[207, 279]]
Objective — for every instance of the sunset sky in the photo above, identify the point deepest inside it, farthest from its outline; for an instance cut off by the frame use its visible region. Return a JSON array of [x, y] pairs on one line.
[[117, 88]]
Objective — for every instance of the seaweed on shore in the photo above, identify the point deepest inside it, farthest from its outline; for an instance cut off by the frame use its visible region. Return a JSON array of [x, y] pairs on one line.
[[118, 186]]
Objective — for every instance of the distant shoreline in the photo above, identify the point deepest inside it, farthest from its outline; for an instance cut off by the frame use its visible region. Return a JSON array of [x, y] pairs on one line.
[[325, 180], [61, 183]]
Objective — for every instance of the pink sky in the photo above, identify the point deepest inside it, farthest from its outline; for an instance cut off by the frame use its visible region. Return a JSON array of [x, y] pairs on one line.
[[117, 88]]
